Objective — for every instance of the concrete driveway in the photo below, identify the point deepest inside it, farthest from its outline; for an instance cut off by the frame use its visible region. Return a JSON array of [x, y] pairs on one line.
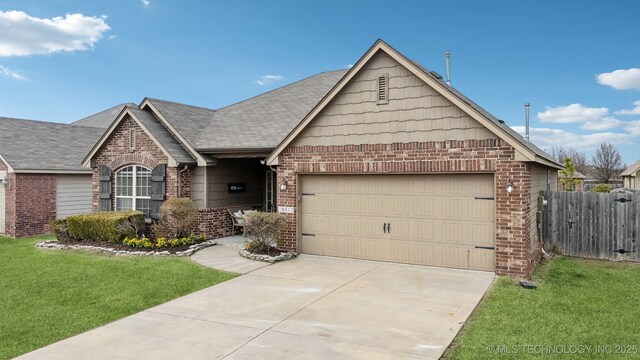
[[307, 308]]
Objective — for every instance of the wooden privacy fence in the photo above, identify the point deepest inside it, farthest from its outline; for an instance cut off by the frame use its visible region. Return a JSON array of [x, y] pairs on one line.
[[591, 225]]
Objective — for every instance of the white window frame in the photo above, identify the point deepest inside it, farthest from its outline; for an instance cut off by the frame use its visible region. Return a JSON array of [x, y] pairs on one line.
[[134, 190]]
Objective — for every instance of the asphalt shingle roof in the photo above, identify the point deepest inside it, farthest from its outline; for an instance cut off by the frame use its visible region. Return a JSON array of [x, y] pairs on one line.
[[262, 122], [188, 120], [631, 170], [171, 144], [104, 118], [40, 145]]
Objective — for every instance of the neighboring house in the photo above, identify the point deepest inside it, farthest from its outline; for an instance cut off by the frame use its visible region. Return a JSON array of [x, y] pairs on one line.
[[384, 161], [631, 177], [579, 185]]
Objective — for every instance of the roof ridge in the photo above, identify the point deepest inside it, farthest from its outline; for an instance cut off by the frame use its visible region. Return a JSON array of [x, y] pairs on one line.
[[44, 122], [183, 104]]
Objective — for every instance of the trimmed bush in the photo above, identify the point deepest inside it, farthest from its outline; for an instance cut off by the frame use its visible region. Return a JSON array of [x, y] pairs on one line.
[[262, 229], [602, 188], [178, 218], [101, 226], [59, 229]]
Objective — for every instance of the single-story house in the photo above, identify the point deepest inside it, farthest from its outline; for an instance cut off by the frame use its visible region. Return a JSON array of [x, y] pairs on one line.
[[384, 161], [630, 177], [41, 175], [579, 179]]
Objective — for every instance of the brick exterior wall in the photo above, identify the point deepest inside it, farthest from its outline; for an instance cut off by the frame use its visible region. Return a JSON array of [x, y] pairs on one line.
[[115, 153], [214, 223], [30, 204], [513, 244]]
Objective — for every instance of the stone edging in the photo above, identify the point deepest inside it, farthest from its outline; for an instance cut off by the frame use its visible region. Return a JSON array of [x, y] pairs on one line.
[[267, 258], [54, 244]]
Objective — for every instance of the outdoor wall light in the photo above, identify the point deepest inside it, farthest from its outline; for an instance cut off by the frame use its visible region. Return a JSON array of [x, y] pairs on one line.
[[283, 185], [6, 183], [510, 186]]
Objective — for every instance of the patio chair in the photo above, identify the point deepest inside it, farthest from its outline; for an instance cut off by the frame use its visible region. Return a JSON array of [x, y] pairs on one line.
[[238, 220]]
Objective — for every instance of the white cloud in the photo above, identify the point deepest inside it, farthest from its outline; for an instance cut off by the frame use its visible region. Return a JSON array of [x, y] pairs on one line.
[[634, 111], [547, 138], [348, 66], [633, 127], [605, 123], [22, 34], [574, 113], [12, 74], [268, 79], [621, 79], [146, 2]]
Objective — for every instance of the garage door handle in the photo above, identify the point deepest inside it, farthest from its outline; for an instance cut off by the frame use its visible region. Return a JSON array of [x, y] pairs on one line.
[[384, 228], [388, 228], [486, 247]]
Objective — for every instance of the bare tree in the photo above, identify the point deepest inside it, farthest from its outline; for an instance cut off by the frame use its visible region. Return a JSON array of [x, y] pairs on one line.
[[578, 158], [607, 163]]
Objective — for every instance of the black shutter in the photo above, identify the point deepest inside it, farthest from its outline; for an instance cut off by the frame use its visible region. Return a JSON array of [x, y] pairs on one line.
[[158, 189], [104, 174]]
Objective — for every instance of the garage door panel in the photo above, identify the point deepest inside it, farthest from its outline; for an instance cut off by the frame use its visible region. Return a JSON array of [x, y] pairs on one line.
[[434, 219]]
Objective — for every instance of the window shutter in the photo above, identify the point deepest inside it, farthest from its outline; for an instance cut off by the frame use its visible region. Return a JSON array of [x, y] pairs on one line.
[[383, 89], [104, 174], [158, 189]]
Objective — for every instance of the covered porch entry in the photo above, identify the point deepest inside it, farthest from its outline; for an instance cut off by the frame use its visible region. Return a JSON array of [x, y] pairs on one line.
[[231, 184]]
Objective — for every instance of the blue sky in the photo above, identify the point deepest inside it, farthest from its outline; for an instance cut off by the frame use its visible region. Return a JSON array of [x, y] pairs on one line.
[[576, 62]]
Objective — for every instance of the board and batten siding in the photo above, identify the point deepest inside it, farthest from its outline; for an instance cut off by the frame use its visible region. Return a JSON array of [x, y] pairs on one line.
[[246, 171], [415, 113], [631, 182], [542, 179], [197, 186], [73, 195]]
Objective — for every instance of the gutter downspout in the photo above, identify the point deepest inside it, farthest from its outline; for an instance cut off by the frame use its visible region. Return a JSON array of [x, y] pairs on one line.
[[180, 180]]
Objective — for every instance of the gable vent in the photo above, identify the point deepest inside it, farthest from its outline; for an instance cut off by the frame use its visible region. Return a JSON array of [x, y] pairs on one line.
[[132, 139], [383, 89]]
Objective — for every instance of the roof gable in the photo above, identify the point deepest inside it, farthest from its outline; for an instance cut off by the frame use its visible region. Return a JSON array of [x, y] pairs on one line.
[[153, 128], [632, 170], [103, 118], [528, 150]]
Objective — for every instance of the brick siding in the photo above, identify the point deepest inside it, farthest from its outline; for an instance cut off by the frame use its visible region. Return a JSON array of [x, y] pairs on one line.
[[513, 243], [30, 204], [115, 153]]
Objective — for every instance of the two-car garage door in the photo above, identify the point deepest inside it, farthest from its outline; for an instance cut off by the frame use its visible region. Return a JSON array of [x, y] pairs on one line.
[[441, 220]]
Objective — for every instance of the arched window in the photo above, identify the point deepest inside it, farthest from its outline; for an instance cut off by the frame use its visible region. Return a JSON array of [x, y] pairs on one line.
[[133, 189]]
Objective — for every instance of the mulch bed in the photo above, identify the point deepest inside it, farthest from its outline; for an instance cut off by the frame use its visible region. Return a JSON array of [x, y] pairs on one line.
[[271, 251]]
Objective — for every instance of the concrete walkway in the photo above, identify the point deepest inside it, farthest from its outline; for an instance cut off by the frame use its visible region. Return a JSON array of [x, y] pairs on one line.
[[306, 308], [224, 256]]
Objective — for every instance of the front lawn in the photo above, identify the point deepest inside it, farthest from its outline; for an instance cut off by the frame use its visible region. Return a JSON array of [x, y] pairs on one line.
[[578, 303], [47, 295]]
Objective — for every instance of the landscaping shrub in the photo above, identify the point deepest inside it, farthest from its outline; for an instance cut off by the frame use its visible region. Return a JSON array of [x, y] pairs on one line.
[[59, 229], [178, 218], [101, 226], [602, 188], [262, 229], [132, 227], [161, 242]]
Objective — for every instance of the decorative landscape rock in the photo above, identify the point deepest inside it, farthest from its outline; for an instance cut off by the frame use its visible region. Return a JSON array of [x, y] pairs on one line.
[[267, 258], [54, 244]]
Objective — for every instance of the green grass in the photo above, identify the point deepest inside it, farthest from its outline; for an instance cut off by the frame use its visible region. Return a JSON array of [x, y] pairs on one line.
[[49, 295], [577, 302]]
